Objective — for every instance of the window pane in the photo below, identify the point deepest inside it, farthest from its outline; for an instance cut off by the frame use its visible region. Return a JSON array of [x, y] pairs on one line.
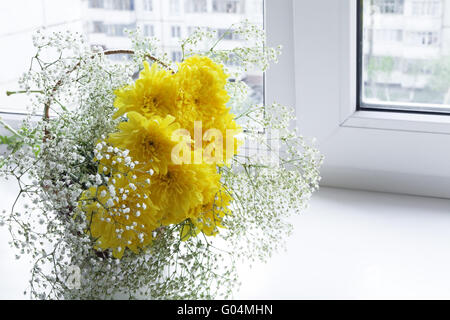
[[405, 54], [103, 23]]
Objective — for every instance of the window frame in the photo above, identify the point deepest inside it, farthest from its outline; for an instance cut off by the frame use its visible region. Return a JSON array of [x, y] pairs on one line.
[[419, 108], [147, 5], [175, 31], [364, 149]]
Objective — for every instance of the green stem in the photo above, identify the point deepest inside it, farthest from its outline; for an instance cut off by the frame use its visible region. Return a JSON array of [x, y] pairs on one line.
[[228, 31], [10, 93], [9, 128]]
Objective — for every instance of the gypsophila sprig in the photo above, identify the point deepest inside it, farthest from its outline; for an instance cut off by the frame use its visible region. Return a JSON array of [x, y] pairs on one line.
[[148, 178]]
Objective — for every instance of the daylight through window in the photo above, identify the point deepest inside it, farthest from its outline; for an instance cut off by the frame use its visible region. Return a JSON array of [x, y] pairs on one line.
[[405, 55], [104, 23]]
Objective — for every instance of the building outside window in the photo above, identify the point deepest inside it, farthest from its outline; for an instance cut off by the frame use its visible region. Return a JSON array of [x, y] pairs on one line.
[[94, 19], [96, 4], [196, 6], [175, 6], [123, 5], [118, 30], [176, 56], [176, 31], [406, 58], [227, 34], [192, 29], [423, 38], [388, 35], [228, 6], [389, 6], [148, 5], [418, 66], [426, 8], [149, 30], [97, 27]]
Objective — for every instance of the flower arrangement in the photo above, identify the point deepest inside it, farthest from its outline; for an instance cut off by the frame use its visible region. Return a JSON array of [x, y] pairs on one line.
[[138, 181]]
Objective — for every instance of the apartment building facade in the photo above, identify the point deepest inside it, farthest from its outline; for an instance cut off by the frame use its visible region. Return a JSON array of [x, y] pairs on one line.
[[103, 22], [168, 20], [403, 43]]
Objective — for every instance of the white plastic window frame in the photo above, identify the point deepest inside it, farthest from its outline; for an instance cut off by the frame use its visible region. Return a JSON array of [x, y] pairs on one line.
[[369, 150]]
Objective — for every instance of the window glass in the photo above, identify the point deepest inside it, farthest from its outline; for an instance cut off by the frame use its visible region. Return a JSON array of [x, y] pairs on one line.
[[196, 6], [405, 55], [104, 22], [149, 30], [176, 31], [147, 5], [174, 6]]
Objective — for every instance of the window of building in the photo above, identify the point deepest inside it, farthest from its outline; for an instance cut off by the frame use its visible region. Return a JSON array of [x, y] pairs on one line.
[[389, 6], [174, 6], [118, 30], [417, 67], [97, 27], [227, 34], [426, 8], [96, 4], [388, 35], [407, 68], [176, 56], [196, 6], [148, 5], [423, 38], [149, 30], [176, 31], [123, 5], [191, 29], [228, 6]]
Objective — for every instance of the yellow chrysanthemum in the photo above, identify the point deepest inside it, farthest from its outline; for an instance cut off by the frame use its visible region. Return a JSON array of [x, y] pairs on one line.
[[228, 126], [207, 217], [201, 95], [154, 93], [150, 141], [180, 190], [123, 220], [189, 195]]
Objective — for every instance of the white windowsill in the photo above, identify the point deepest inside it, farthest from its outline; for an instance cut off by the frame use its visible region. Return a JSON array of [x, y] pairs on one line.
[[426, 123], [347, 245], [360, 245]]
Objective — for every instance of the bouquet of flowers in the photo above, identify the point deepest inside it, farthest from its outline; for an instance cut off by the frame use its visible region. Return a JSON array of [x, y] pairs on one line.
[[136, 179]]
